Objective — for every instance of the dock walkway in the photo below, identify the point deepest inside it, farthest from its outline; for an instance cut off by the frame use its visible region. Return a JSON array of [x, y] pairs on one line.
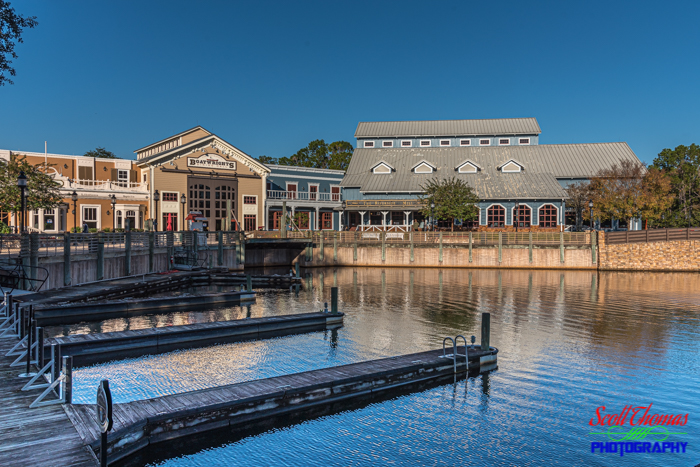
[[142, 423], [34, 437]]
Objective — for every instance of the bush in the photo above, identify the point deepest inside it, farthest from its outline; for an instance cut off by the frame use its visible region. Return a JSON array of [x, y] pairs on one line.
[[92, 230], [4, 228], [106, 230]]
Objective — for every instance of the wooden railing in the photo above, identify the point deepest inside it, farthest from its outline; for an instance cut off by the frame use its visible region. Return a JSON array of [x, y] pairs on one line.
[[655, 235]]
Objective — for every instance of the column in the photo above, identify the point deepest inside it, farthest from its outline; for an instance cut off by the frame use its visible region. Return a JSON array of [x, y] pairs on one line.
[[407, 214], [362, 220], [317, 223], [384, 213]]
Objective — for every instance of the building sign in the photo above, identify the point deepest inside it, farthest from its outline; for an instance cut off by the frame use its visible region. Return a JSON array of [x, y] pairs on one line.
[[355, 205], [211, 161]]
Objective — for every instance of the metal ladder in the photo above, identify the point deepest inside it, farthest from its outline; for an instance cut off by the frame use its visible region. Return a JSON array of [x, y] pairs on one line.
[[454, 355]]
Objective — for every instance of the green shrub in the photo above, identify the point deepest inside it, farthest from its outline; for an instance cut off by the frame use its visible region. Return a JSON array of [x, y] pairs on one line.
[[92, 230], [106, 230], [4, 228]]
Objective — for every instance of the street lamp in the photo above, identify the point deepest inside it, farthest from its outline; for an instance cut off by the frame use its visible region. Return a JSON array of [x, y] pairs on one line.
[[590, 206], [114, 213], [517, 215], [74, 197], [156, 198], [183, 201], [432, 207], [22, 184]]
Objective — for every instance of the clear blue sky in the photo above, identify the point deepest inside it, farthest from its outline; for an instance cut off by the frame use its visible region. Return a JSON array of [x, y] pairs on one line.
[[269, 77]]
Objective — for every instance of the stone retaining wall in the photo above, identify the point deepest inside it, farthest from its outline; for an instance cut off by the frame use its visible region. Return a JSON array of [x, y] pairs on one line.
[[680, 255]]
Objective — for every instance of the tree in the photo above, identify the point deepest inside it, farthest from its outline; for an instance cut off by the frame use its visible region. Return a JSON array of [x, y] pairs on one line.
[[579, 196], [453, 199], [42, 191], [101, 152], [628, 190], [682, 166], [11, 26], [319, 155], [267, 160]]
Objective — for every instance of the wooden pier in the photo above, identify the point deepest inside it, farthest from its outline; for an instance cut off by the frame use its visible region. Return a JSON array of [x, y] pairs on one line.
[[142, 423], [34, 437], [87, 349]]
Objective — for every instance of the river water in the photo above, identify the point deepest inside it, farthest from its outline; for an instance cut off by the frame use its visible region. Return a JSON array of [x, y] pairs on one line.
[[569, 342]]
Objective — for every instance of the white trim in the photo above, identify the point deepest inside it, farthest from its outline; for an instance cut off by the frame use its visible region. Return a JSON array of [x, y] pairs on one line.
[[318, 190], [520, 141], [481, 142], [558, 214], [388, 143], [296, 184], [501, 143], [505, 221], [470, 163], [340, 192], [512, 212], [424, 145], [421, 164], [503, 167], [382, 164], [449, 143], [368, 144], [404, 145], [98, 209], [468, 141]]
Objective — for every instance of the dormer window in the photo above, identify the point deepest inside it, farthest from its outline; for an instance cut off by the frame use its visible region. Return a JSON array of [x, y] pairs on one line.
[[465, 142], [484, 142], [524, 141], [369, 144], [425, 142], [444, 142], [387, 144], [503, 141], [406, 143], [423, 167], [511, 167], [468, 167], [382, 169]]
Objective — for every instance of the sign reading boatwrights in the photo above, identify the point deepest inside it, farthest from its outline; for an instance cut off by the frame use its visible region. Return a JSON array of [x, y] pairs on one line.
[[384, 203], [211, 161]]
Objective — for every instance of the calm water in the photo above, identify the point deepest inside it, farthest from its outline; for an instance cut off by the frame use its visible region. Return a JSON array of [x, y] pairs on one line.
[[569, 342]]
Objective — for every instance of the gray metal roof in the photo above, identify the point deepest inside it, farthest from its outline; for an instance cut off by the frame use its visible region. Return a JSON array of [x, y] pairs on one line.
[[543, 164], [494, 126]]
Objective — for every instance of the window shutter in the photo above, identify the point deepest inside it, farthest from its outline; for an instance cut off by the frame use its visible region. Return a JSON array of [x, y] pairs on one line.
[[115, 175], [133, 176], [85, 173]]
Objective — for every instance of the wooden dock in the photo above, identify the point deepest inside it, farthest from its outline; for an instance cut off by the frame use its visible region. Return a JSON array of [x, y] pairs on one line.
[[34, 437], [88, 349], [142, 423]]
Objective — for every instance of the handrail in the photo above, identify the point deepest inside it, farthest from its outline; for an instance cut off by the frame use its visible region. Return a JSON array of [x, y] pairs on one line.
[[466, 346], [453, 354]]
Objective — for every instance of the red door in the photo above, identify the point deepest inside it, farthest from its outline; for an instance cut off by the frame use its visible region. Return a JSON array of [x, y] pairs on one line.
[[292, 191]]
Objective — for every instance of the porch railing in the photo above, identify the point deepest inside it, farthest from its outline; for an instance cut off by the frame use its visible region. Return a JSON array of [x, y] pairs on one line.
[[655, 235], [305, 196]]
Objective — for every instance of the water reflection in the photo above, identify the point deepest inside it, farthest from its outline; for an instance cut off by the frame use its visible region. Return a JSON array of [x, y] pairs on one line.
[[569, 342]]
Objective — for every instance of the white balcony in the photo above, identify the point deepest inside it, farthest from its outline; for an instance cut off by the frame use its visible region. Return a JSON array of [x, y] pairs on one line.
[[314, 197], [102, 185]]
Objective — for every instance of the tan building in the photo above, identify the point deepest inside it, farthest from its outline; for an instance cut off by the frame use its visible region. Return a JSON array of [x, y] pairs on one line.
[[197, 176], [95, 181]]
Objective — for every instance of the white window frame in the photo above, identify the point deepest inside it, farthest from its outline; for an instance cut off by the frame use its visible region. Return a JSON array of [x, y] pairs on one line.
[[387, 144], [119, 172], [250, 196], [520, 141], [445, 142], [511, 161], [532, 213], [423, 164], [318, 191], [425, 141], [470, 164], [468, 142], [368, 144], [330, 192], [501, 143], [538, 214], [487, 143], [98, 219], [404, 145], [374, 169], [505, 209]]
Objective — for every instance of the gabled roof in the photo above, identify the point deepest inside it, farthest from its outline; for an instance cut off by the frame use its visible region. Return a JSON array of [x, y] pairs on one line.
[[500, 167], [485, 127], [424, 162], [172, 137], [381, 163], [468, 162]]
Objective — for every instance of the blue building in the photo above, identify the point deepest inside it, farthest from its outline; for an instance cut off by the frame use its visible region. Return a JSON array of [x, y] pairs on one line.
[[313, 197], [519, 181]]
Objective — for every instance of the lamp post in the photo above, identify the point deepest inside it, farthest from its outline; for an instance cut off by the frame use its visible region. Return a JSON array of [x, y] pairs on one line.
[[590, 206], [114, 213], [183, 201], [432, 207], [74, 197], [517, 215], [156, 198], [22, 184], [345, 219]]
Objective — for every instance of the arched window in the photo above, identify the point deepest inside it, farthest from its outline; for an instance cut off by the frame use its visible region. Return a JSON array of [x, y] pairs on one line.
[[548, 216], [496, 216], [522, 214]]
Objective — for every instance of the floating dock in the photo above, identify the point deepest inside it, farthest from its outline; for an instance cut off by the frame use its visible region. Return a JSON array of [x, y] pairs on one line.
[[142, 423], [87, 349]]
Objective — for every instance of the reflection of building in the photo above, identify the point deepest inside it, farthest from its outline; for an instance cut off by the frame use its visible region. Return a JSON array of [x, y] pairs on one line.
[[519, 181], [312, 196], [218, 183], [94, 181]]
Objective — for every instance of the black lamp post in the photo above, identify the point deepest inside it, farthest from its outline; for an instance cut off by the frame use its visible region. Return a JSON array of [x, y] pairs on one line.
[[183, 201], [74, 197], [345, 218], [22, 184], [114, 213], [517, 215], [156, 198], [432, 207], [590, 206]]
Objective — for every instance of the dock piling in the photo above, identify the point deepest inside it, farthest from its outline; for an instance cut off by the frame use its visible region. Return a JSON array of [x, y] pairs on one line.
[[249, 282], [68, 382], [485, 331], [40, 347], [296, 269], [334, 300]]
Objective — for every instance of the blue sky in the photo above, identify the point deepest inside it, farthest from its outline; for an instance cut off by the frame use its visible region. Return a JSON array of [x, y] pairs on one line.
[[269, 77]]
